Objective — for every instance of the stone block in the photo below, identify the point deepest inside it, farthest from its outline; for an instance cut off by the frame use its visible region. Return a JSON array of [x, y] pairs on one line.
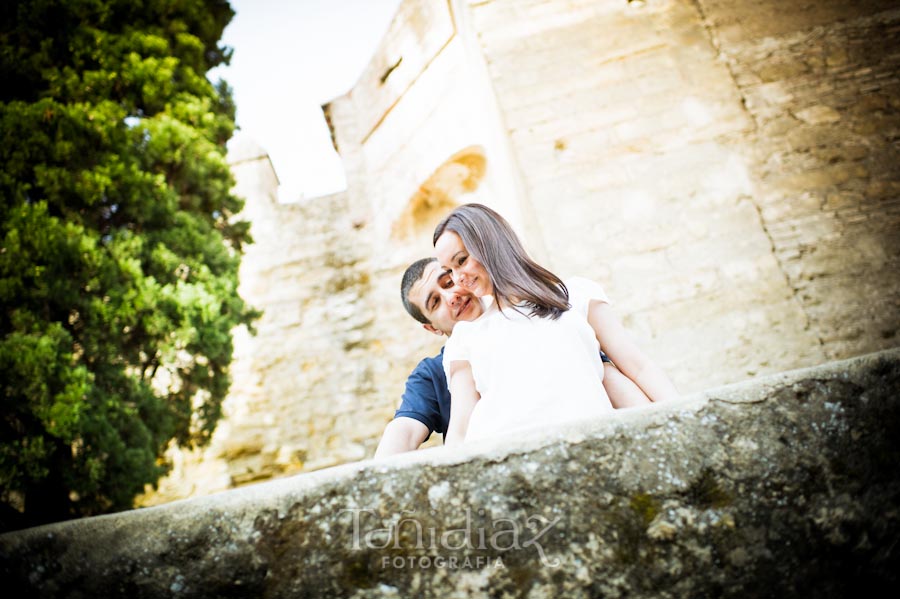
[[818, 115]]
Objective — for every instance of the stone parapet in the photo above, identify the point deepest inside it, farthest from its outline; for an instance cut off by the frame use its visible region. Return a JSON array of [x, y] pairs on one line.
[[782, 486]]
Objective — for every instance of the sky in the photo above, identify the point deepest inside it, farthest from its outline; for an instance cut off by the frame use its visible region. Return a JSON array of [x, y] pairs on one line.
[[290, 57]]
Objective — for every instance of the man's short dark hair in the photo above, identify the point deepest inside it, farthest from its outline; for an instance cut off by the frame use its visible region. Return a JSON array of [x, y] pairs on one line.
[[413, 274]]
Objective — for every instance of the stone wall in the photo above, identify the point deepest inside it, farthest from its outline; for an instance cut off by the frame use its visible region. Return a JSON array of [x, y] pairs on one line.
[[726, 169], [636, 170], [784, 486], [304, 393], [821, 83]]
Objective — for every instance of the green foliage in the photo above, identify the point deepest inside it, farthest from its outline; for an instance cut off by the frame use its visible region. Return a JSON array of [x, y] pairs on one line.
[[119, 248]]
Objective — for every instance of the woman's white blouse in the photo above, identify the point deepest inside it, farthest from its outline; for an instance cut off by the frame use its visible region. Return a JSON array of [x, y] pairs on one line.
[[532, 371]]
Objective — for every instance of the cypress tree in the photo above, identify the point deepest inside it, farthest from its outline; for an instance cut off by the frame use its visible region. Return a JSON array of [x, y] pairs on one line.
[[119, 247]]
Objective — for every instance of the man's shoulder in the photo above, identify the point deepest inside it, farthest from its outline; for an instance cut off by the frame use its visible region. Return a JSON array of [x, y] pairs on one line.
[[430, 365]]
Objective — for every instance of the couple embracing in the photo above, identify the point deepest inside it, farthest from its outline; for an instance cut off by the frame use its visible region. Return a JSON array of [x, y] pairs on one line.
[[527, 349]]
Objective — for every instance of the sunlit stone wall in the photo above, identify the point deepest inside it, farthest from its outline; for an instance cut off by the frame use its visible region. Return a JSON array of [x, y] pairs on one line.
[[304, 393], [726, 169]]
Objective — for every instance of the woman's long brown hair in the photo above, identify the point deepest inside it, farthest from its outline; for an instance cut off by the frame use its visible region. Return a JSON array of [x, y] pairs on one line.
[[514, 275]]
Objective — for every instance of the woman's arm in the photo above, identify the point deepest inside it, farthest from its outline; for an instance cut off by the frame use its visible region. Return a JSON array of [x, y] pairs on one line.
[[626, 355], [463, 397], [621, 390]]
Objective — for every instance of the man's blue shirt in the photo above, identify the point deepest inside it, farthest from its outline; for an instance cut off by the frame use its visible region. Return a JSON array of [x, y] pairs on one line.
[[427, 398]]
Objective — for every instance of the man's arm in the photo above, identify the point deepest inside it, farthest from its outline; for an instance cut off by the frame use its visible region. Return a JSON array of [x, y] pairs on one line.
[[402, 434], [627, 356]]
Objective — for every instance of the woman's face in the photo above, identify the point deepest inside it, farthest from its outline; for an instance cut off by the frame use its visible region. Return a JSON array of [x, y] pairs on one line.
[[466, 271]]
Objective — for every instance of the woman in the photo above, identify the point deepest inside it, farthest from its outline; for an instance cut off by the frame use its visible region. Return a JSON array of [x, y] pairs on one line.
[[532, 358]]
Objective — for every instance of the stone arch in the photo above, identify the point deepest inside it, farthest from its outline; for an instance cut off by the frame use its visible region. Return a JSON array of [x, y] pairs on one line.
[[458, 176]]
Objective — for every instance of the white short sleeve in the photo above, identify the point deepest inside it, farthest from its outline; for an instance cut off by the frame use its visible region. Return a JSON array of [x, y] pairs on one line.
[[457, 346], [582, 291]]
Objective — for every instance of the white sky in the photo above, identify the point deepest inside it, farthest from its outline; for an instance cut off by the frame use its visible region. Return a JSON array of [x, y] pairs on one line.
[[290, 57]]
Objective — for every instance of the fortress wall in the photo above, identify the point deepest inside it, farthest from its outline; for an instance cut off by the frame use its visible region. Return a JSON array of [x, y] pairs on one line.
[[821, 83], [619, 115], [727, 170], [642, 131], [304, 393]]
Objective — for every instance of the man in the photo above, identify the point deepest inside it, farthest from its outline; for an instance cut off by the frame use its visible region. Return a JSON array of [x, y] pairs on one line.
[[431, 297]]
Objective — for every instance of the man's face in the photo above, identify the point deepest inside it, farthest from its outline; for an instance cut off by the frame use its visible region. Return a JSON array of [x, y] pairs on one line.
[[442, 302]]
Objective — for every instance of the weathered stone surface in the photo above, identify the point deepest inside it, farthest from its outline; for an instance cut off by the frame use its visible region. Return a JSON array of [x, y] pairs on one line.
[[783, 486]]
